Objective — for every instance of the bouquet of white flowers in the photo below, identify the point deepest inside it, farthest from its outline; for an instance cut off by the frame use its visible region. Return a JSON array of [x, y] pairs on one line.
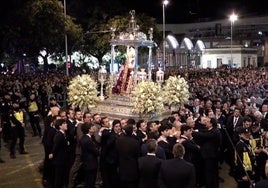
[[175, 91], [147, 98], [82, 92]]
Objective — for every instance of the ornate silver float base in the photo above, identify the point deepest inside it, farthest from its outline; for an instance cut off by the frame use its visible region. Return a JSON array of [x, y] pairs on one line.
[[118, 106]]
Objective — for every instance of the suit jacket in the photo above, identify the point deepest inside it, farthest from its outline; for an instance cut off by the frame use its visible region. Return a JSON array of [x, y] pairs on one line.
[[140, 136], [128, 150], [222, 120], [60, 149], [265, 116], [108, 149], [48, 139], [177, 173], [262, 184], [71, 138], [264, 122], [149, 167], [210, 141], [192, 150], [167, 146], [231, 128], [71, 131], [89, 153], [160, 152]]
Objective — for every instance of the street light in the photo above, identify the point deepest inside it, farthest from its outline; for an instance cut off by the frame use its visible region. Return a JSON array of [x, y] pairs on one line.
[[164, 3], [233, 18], [66, 42]]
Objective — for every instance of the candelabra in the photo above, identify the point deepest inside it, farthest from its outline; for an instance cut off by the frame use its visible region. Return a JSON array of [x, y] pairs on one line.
[[102, 74]]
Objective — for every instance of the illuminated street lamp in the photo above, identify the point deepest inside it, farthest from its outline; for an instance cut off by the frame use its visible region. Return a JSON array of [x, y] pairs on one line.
[[66, 42], [233, 18], [164, 3]]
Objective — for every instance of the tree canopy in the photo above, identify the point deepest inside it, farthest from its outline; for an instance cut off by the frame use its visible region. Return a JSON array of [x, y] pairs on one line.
[[31, 26]]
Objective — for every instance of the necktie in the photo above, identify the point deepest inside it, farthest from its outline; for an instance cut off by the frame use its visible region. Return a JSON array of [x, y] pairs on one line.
[[235, 121]]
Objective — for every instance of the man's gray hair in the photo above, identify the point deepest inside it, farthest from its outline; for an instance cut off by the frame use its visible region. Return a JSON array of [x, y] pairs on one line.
[[178, 150]]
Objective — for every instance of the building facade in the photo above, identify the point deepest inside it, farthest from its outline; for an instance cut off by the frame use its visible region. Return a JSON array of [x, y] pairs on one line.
[[247, 46]]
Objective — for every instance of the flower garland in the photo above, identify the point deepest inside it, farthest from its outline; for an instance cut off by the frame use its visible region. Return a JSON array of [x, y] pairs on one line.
[[82, 91], [175, 91], [147, 98]]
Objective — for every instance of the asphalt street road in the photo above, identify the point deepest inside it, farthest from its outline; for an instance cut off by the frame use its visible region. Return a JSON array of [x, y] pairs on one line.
[[22, 172]]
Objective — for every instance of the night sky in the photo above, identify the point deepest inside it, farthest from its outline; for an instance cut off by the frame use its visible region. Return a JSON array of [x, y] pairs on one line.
[[179, 11]]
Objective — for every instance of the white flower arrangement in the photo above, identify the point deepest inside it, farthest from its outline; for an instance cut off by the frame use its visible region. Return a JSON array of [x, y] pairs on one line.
[[175, 91], [147, 98], [82, 92]]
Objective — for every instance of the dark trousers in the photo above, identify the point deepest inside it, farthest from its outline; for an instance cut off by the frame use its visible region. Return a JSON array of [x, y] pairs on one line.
[[17, 132], [6, 132], [211, 172], [90, 178], [48, 172], [128, 184], [199, 172], [34, 121], [229, 158], [60, 176], [74, 172], [109, 175]]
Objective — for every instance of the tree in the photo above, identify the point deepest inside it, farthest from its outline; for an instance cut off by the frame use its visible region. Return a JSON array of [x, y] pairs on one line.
[[11, 21], [48, 24], [32, 26], [40, 25]]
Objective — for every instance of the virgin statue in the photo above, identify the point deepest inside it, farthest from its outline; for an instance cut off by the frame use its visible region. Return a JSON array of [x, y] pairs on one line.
[[125, 80]]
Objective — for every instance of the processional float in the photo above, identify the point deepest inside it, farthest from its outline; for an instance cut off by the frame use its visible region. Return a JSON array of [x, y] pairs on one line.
[[118, 104]]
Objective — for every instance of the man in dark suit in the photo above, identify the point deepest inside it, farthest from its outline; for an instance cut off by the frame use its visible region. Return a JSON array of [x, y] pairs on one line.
[[48, 139], [192, 151], [108, 156], [177, 172], [59, 154], [141, 131], [75, 174], [71, 136], [149, 166], [210, 141], [235, 121], [165, 141], [89, 155], [128, 149], [264, 121]]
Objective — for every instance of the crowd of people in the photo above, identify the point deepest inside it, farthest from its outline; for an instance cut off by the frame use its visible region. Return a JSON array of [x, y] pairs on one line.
[[225, 120]]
